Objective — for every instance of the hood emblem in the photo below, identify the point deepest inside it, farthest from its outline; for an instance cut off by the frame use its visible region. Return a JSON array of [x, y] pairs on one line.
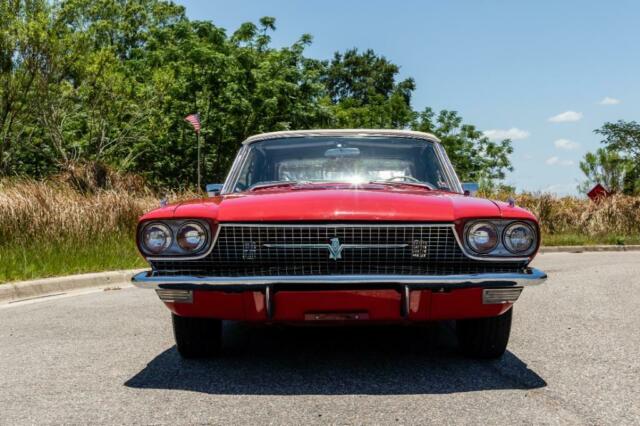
[[334, 247]]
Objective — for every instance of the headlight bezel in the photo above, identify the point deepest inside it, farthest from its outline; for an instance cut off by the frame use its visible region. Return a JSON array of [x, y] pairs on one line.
[[474, 245], [505, 237], [501, 251], [144, 240], [174, 250], [202, 242]]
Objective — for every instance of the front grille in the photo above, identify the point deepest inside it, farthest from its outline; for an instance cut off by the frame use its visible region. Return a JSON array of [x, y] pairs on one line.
[[292, 249]]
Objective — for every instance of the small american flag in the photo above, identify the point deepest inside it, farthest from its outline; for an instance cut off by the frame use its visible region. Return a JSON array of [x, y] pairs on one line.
[[194, 119]]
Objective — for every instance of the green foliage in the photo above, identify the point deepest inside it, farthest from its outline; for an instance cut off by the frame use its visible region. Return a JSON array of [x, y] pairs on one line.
[[474, 156], [608, 168], [617, 165], [363, 92], [622, 136], [109, 82]]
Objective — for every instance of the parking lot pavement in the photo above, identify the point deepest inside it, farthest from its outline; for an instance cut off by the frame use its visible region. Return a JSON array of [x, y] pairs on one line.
[[108, 357]]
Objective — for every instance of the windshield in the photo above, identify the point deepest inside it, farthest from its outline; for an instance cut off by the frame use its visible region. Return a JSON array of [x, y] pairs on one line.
[[352, 160]]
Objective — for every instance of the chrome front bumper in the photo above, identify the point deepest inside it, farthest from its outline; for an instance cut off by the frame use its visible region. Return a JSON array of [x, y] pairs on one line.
[[529, 277]]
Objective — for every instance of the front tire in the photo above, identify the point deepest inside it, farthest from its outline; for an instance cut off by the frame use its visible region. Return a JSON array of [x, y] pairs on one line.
[[197, 337], [485, 337]]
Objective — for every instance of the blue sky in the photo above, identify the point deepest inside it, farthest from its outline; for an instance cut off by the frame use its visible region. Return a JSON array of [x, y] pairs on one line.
[[507, 67]]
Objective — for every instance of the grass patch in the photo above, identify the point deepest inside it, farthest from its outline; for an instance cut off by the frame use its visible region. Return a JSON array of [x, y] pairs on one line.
[[588, 240], [47, 259]]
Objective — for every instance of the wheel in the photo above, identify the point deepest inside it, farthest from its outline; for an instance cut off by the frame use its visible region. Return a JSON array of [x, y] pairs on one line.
[[197, 337], [485, 337]]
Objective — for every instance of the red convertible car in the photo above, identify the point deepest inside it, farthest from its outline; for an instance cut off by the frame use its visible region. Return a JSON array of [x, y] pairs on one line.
[[343, 227]]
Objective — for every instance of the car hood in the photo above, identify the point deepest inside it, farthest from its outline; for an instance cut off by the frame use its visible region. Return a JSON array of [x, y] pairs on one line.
[[388, 204]]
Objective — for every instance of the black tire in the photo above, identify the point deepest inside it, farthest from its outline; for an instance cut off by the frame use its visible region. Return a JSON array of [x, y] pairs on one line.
[[485, 337], [197, 337]]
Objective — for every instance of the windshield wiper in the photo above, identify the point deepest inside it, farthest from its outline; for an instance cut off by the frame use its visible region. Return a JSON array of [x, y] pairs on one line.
[[273, 184], [403, 183]]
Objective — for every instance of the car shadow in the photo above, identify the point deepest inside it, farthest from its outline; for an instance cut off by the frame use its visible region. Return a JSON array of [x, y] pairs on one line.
[[373, 360]]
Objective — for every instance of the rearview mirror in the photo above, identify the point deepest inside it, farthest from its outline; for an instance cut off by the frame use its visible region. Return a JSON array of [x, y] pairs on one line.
[[213, 189], [470, 188], [342, 152]]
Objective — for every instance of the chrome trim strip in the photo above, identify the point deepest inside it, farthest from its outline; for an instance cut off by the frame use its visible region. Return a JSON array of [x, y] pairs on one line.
[[236, 166], [335, 248], [340, 132], [530, 277], [335, 225], [452, 176]]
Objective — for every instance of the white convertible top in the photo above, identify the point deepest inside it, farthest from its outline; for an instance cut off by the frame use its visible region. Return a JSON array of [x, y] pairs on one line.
[[342, 132]]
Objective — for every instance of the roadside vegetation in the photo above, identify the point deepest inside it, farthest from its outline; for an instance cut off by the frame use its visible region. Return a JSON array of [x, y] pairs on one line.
[[580, 221], [66, 225]]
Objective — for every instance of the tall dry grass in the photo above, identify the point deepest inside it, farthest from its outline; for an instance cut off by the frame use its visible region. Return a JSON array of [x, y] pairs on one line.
[[67, 226], [618, 215], [54, 211]]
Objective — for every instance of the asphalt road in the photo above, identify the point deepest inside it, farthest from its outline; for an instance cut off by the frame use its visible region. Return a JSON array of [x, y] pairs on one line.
[[108, 357]]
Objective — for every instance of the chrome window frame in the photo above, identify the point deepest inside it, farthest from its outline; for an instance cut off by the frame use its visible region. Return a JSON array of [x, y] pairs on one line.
[[441, 154]]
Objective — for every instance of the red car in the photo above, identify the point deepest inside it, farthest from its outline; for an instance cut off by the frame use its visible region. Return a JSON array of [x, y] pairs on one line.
[[340, 226]]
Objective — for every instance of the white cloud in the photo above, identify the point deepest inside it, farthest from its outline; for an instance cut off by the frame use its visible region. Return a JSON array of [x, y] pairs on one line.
[[609, 101], [565, 117], [560, 188], [513, 133], [566, 144], [556, 161]]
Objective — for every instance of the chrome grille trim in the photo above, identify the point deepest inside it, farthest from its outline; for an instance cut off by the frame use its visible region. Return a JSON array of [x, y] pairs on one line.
[[285, 249]]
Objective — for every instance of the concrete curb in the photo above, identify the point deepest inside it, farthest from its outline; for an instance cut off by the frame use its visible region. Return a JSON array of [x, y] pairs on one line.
[[28, 289], [582, 249]]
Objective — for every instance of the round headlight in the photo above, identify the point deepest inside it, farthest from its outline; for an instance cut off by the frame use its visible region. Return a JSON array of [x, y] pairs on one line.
[[156, 238], [191, 237], [519, 237], [482, 237]]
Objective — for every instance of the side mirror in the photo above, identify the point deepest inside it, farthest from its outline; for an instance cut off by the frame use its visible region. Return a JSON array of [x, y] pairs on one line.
[[213, 189], [470, 188]]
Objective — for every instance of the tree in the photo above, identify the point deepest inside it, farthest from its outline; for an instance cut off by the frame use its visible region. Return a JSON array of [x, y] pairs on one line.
[[474, 156], [623, 137], [363, 92], [108, 82], [609, 168], [617, 165], [23, 48]]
